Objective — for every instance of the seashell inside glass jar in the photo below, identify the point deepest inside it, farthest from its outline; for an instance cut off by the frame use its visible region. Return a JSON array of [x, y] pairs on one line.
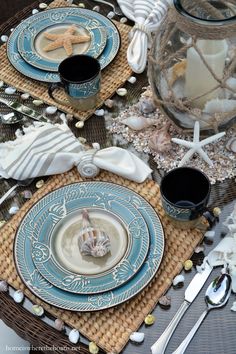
[[192, 64]]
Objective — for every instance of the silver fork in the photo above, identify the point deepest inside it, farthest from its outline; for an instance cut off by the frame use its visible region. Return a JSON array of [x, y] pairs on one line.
[[115, 8]]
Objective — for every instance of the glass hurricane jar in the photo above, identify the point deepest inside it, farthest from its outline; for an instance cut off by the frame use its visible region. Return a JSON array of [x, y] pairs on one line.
[[192, 64]]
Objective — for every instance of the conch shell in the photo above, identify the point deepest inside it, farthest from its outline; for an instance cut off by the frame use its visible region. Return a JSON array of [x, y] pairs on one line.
[[160, 141], [93, 241], [139, 123]]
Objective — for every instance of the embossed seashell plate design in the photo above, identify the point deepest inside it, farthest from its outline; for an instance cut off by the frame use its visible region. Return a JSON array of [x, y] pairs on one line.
[[105, 58], [32, 41], [56, 228], [53, 295]]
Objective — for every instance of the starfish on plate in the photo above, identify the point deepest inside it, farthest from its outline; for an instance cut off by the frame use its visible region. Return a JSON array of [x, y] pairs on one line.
[[66, 40], [196, 145]]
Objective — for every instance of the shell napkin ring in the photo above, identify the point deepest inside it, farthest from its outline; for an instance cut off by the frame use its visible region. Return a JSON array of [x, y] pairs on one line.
[[86, 167], [93, 241]]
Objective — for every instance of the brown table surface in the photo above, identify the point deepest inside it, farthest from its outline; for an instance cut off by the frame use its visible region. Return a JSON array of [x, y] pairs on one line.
[[217, 333]]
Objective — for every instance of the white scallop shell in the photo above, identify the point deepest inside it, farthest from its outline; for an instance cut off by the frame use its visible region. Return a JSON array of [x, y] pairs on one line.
[[139, 123], [93, 241], [74, 336], [18, 296], [137, 337]]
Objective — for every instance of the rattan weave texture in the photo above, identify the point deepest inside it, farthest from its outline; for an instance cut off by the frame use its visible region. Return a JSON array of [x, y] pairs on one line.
[[111, 328], [113, 77]]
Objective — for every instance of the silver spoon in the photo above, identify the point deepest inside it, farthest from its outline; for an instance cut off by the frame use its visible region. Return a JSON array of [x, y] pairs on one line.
[[23, 183], [115, 8], [217, 295]]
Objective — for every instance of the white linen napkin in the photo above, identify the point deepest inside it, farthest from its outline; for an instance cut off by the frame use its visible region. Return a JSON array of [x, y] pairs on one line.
[[224, 254], [147, 15], [45, 149]]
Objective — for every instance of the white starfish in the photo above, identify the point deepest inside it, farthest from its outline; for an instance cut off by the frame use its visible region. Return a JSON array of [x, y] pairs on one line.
[[196, 145]]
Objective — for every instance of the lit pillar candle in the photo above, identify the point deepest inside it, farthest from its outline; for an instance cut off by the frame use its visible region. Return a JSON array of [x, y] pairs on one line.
[[198, 79]]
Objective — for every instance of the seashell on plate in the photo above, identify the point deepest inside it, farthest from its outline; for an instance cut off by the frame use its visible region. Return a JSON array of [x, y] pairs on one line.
[[160, 140], [139, 123], [137, 337], [231, 144], [146, 106], [74, 336], [18, 296], [3, 286], [92, 241]]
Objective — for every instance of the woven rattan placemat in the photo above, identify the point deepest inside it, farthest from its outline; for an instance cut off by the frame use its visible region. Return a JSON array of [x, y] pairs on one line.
[[110, 328], [114, 76]]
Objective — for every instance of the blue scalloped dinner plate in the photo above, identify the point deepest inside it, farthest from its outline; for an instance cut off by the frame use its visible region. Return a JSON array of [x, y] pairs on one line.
[[109, 53], [82, 302], [57, 221]]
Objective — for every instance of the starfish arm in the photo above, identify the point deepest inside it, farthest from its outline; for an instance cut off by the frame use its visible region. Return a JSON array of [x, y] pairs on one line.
[[51, 36], [205, 157], [81, 39], [52, 46], [211, 139], [188, 144], [71, 30], [186, 157], [196, 133], [68, 47]]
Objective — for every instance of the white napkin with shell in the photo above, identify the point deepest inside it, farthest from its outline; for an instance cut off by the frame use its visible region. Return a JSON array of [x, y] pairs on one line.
[[224, 254], [45, 149], [147, 15]]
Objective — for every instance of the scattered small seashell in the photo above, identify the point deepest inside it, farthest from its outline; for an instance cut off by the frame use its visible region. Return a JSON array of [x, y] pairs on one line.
[[139, 123], [123, 20], [2, 222], [132, 79], [188, 265], [26, 109], [99, 112], [37, 310], [110, 14], [233, 308], [9, 116], [35, 11], [37, 102], [96, 8], [74, 336], [25, 96], [3, 286], [137, 337], [178, 70], [121, 91], [27, 194], [12, 29], [43, 6], [59, 324], [79, 124], [231, 144], [4, 38], [149, 320], [109, 103], [179, 279], [210, 235], [69, 116], [96, 146], [63, 118], [10, 90], [165, 301], [82, 5], [216, 212], [146, 106], [199, 249], [18, 296], [1, 84], [82, 140], [14, 209], [93, 348], [40, 183], [160, 140], [51, 110]]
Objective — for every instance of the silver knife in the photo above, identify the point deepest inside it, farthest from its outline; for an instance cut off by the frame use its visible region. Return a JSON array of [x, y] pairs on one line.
[[190, 293], [27, 111]]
